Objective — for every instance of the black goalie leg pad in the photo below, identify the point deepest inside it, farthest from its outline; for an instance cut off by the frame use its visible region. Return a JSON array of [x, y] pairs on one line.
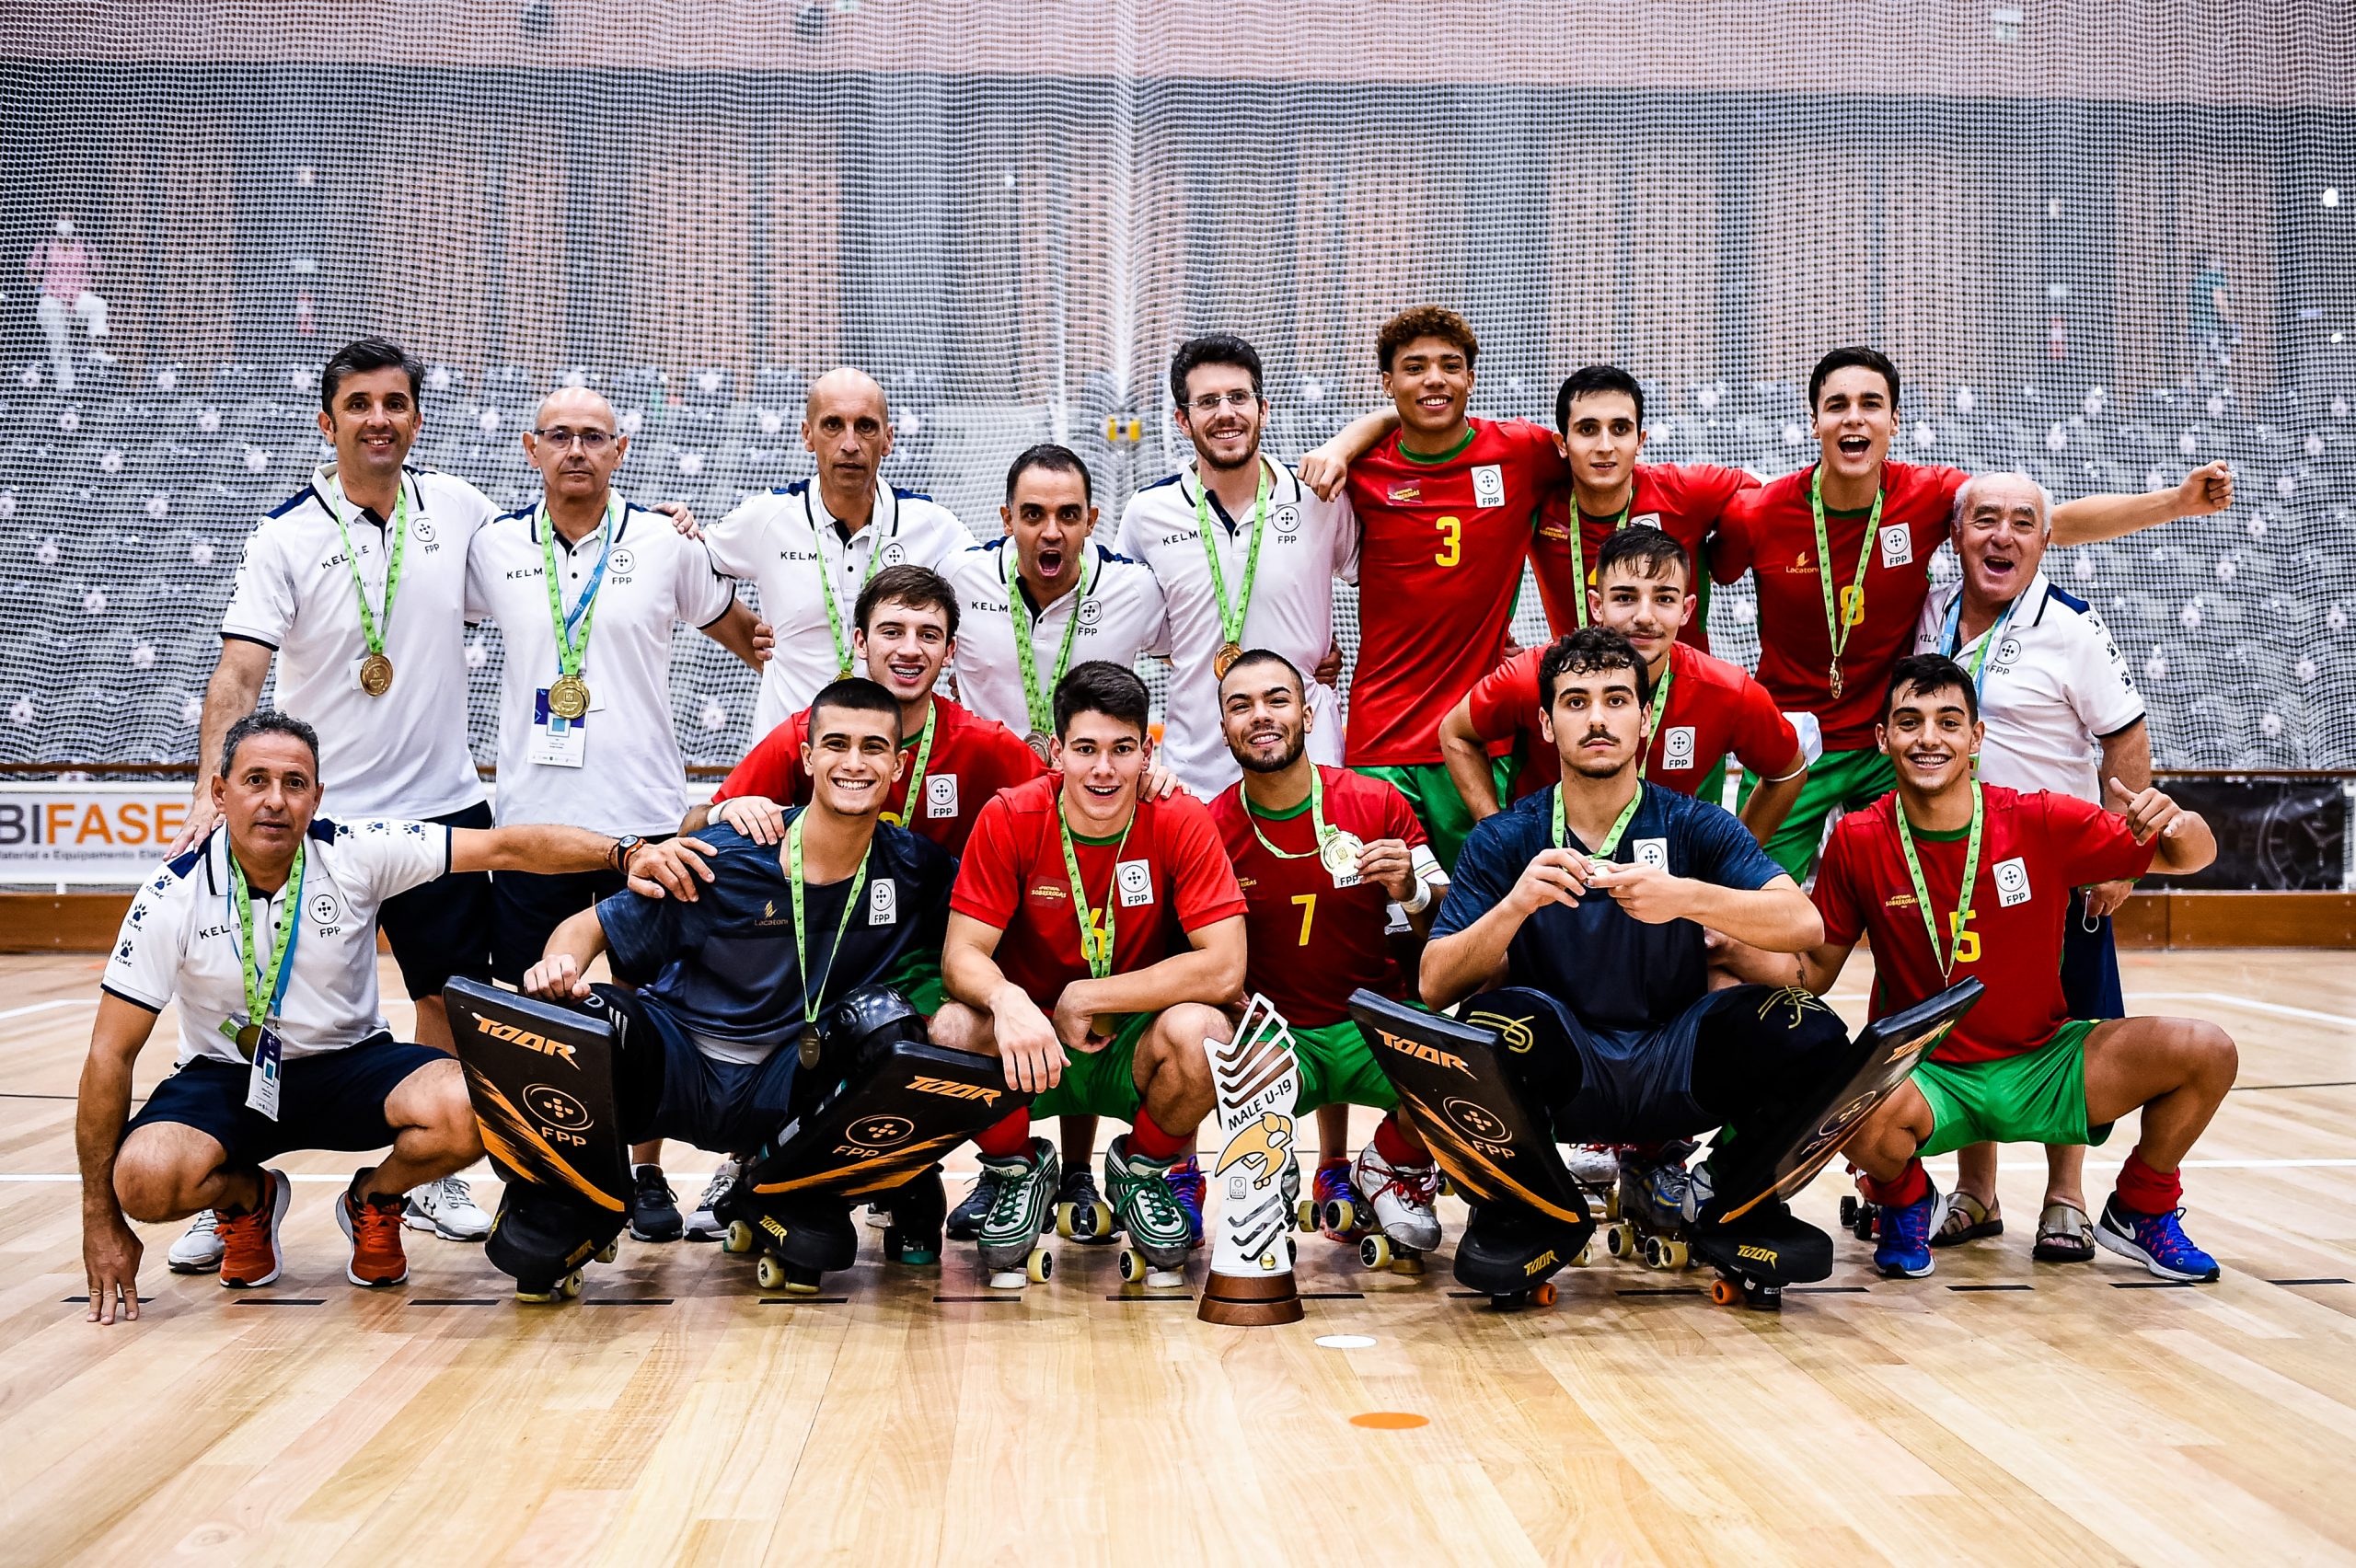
[[1508, 1247]]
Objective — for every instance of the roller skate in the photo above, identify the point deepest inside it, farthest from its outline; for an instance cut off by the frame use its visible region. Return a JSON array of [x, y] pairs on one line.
[[2156, 1241], [800, 1237], [1186, 1184], [1857, 1211], [1761, 1253], [964, 1221], [544, 1241], [1396, 1200], [1509, 1252], [1331, 1196], [912, 1216], [1081, 1213], [1146, 1206], [1653, 1204], [1022, 1195]]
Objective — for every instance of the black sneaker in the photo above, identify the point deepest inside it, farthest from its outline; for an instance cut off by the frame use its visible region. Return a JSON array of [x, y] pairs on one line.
[[654, 1208], [964, 1222]]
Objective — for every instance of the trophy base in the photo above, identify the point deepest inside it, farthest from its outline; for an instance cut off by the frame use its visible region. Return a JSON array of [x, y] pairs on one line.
[[1249, 1301]]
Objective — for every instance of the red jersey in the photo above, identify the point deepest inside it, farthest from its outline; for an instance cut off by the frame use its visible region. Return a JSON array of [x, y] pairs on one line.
[[1167, 877], [973, 759], [1715, 710], [1440, 563], [1772, 531], [2033, 849], [1682, 500], [1314, 941]]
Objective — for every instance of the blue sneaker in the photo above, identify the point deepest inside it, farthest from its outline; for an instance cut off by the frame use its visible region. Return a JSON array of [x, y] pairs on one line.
[[2156, 1241], [1903, 1248], [1186, 1185]]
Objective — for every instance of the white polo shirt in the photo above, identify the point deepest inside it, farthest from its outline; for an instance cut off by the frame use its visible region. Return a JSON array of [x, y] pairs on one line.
[[631, 777], [1306, 545], [776, 542], [180, 942], [403, 753], [1118, 604], [2052, 687]]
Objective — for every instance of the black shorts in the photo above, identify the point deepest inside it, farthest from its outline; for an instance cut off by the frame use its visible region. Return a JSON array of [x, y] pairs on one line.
[[525, 906], [2090, 986], [1635, 1086], [444, 927], [667, 1088], [335, 1099]]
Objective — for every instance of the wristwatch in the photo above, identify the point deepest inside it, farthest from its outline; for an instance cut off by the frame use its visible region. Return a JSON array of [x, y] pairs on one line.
[[624, 847]]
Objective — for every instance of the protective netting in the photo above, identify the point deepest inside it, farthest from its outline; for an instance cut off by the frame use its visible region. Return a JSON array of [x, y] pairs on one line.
[[2105, 239]]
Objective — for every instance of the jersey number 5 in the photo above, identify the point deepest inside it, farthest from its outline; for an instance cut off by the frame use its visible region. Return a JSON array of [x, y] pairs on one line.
[[1967, 941], [1451, 542], [1307, 902]]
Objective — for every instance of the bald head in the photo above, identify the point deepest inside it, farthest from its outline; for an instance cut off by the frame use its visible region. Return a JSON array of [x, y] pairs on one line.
[[846, 427], [576, 447]]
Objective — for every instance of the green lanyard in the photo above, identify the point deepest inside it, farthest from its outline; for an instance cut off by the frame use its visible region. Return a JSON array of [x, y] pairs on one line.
[[374, 622], [1652, 722], [914, 795], [1230, 619], [1579, 552], [801, 948], [1850, 612], [1041, 705], [826, 581], [1095, 945], [1316, 821], [1611, 839], [265, 989], [572, 627], [1963, 895]]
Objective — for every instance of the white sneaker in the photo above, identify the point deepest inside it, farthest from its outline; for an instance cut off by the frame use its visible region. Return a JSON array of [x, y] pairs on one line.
[[446, 1208], [1402, 1195], [199, 1249], [702, 1226], [1593, 1165]]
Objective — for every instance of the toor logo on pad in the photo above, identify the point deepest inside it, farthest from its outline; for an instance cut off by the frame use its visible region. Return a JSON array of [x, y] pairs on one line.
[[1424, 1053], [516, 1036], [951, 1088]]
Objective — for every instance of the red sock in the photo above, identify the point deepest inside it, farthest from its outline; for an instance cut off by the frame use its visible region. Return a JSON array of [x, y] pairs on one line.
[[1005, 1139], [2147, 1191], [1148, 1141], [1391, 1142], [1908, 1187]]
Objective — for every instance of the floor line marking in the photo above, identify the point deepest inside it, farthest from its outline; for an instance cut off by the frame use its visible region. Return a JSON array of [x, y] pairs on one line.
[[2225, 999], [49, 1007]]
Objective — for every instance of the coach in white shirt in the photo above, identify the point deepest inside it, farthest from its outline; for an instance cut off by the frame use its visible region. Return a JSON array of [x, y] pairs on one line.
[[1265, 579], [2063, 714], [623, 580], [810, 548], [1045, 597], [264, 937]]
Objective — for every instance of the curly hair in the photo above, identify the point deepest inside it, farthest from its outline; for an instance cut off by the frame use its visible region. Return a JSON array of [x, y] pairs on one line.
[[1425, 321]]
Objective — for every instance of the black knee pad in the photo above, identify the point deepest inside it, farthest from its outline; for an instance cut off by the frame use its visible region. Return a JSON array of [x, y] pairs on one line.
[[1534, 1044]]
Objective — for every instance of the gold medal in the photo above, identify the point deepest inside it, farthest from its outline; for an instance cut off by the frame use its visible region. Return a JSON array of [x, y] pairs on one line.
[[248, 1040], [1836, 683], [809, 1047], [1340, 852], [569, 697], [1038, 744], [1224, 659], [375, 674]]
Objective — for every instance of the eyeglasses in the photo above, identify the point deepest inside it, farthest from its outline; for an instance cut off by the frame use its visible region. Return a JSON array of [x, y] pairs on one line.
[[591, 441], [1208, 403]]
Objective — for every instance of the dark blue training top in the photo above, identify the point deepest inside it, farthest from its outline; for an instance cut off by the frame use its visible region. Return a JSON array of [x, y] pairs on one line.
[[1614, 972], [724, 966]]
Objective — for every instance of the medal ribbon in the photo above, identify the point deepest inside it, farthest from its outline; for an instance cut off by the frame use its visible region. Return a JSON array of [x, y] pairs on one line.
[[1652, 723], [246, 936], [1946, 955], [914, 792], [1095, 945], [1040, 704], [827, 573], [572, 653], [1578, 553], [1620, 825], [1951, 632], [1316, 821], [1837, 626], [374, 623], [801, 927], [1230, 621]]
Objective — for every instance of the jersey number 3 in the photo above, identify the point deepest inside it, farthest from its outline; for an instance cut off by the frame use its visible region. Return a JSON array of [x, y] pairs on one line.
[[1451, 542]]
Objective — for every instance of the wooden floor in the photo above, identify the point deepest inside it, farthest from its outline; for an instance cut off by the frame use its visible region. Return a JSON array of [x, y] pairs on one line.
[[1999, 1411]]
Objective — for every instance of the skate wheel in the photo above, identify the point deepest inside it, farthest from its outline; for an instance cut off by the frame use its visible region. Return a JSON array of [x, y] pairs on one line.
[[1305, 1216], [739, 1239], [570, 1285], [1447, 1187], [769, 1273], [1586, 1253], [1341, 1216], [611, 1250], [1542, 1295], [1063, 1221], [1375, 1251], [1100, 1219], [1407, 1261], [1620, 1241], [1724, 1292], [801, 1282], [1674, 1255], [1039, 1265], [1612, 1202], [1849, 1212], [1132, 1265]]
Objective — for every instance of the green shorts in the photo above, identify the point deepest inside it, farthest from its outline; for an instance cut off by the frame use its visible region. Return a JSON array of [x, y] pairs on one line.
[[1836, 781], [1101, 1083], [1337, 1069], [1432, 795], [2037, 1097]]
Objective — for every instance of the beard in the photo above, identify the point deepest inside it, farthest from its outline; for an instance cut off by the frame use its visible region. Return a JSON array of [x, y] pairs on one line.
[[1293, 746], [1248, 458]]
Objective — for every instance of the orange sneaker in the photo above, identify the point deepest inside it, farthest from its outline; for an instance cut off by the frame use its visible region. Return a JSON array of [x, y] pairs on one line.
[[375, 1228], [249, 1240]]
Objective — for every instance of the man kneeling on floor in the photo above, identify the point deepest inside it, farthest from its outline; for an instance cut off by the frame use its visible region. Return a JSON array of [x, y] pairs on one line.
[[265, 934], [2018, 1068]]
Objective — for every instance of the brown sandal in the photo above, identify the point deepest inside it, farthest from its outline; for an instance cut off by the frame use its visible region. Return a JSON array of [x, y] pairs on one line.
[[1968, 1219], [2064, 1234]]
